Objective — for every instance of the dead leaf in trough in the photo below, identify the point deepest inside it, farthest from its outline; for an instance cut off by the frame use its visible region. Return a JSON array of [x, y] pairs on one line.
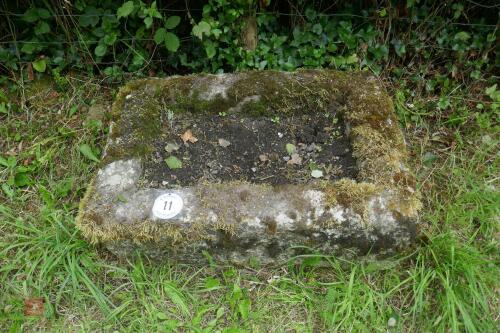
[[171, 146], [317, 173], [224, 143], [34, 306], [296, 159], [188, 136]]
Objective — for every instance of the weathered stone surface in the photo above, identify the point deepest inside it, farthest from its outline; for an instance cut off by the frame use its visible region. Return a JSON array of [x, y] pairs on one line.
[[244, 188]]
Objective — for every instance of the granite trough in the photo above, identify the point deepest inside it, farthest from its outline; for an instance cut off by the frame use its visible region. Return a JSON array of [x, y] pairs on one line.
[[256, 165]]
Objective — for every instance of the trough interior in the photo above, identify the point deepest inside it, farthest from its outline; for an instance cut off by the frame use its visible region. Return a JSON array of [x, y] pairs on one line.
[[235, 147]]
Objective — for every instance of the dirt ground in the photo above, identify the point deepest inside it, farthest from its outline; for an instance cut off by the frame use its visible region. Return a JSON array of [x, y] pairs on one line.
[[259, 150]]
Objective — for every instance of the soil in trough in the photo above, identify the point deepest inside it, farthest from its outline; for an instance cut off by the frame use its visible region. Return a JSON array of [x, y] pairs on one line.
[[254, 149]]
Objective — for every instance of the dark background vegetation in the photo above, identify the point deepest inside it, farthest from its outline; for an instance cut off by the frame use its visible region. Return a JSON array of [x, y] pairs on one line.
[[452, 38]]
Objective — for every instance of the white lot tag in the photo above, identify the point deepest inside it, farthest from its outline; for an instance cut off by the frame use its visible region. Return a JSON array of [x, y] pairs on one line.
[[167, 205]]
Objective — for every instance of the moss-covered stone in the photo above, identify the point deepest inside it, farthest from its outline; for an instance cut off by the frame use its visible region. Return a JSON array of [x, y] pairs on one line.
[[377, 210]]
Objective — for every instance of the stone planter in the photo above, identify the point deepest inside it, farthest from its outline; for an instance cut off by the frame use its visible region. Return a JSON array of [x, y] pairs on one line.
[[257, 165]]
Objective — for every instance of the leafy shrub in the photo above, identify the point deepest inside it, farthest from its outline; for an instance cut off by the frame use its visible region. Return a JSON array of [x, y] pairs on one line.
[[92, 35], [115, 37]]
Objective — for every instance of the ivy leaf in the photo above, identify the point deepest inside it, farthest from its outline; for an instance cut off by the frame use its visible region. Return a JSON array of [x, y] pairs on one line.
[[490, 91], [210, 49], [148, 21], [159, 36], [317, 29], [173, 162], [462, 35], [88, 153], [40, 65], [43, 13], [171, 42], [493, 93], [126, 9], [200, 29], [90, 18], [29, 48], [42, 28], [352, 59], [100, 50], [399, 47], [138, 60], [172, 22], [31, 15], [216, 33], [110, 39]]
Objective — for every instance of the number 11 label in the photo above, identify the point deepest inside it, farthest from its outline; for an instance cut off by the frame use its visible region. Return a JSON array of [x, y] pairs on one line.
[[167, 206]]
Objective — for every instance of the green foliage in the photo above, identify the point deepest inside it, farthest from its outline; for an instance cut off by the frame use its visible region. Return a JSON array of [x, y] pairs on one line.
[[114, 37], [349, 38], [126, 9], [40, 65], [90, 36]]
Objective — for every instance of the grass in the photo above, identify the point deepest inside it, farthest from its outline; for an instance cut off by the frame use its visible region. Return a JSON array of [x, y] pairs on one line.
[[447, 283]]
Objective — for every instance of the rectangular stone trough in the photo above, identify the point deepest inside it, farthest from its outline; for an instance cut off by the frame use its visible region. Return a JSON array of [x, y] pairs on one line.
[[256, 165]]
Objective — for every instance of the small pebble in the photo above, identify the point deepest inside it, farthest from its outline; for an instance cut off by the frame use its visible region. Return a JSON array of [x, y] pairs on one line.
[[224, 143]]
